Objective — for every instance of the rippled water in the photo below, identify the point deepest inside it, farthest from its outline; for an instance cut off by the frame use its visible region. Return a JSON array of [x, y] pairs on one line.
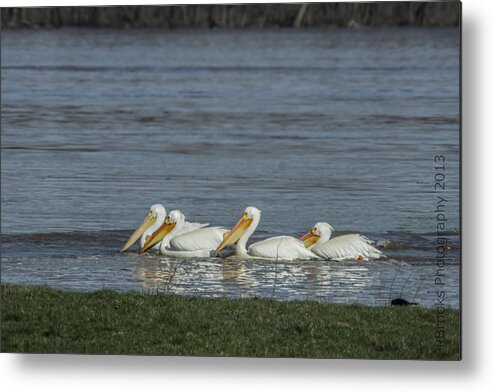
[[337, 125]]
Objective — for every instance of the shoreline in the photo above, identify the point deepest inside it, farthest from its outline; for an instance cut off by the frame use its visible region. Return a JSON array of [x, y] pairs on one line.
[[292, 15]]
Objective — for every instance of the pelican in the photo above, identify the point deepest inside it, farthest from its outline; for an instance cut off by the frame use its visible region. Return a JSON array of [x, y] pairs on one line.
[[344, 247], [155, 218], [282, 247], [180, 239]]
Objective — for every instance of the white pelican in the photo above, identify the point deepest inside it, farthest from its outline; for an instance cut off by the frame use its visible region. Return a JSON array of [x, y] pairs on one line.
[[181, 239], [155, 218], [344, 247], [282, 247]]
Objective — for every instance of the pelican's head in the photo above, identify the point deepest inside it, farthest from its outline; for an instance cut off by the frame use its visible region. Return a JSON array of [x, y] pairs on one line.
[[156, 212], [252, 213], [320, 232], [249, 217], [174, 218]]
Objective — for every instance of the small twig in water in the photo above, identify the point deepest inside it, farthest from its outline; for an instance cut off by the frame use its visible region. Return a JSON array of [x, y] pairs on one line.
[[172, 276], [275, 269], [419, 287], [393, 280], [407, 280]]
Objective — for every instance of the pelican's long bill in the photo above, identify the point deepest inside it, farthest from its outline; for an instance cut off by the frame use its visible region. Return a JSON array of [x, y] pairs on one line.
[[158, 235], [310, 238], [236, 232], [148, 221]]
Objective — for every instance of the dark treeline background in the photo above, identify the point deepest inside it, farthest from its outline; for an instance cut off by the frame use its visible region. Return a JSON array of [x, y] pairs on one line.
[[234, 16]]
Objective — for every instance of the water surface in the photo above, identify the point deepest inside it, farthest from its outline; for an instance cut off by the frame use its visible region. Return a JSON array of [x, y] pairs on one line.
[[334, 125]]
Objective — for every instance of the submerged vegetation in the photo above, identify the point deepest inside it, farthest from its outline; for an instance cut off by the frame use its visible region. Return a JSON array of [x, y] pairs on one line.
[[39, 319]]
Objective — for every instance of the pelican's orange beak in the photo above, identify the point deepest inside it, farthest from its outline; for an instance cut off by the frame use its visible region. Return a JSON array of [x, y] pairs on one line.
[[236, 232], [310, 238], [148, 221], [158, 235]]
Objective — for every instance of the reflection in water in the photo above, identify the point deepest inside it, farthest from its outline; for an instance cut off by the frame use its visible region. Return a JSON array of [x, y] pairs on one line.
[[235, 280], [159, 277], [371, 283], [91, 261]]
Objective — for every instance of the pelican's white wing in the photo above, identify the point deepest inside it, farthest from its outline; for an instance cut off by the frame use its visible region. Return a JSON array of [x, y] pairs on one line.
[[190, 226], [206, 238], [282, 248], [185, 228], [347, 247]]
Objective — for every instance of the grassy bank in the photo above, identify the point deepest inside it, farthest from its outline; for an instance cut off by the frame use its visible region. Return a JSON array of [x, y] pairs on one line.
[[44, 320]]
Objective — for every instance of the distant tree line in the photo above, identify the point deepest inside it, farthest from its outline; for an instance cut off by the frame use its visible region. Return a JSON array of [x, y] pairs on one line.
[[239, 16]]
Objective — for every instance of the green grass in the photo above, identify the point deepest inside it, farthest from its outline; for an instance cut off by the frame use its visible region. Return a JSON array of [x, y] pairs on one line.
[[38, 319]]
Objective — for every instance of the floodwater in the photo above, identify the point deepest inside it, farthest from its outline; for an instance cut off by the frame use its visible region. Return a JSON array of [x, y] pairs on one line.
[[334, 125]]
